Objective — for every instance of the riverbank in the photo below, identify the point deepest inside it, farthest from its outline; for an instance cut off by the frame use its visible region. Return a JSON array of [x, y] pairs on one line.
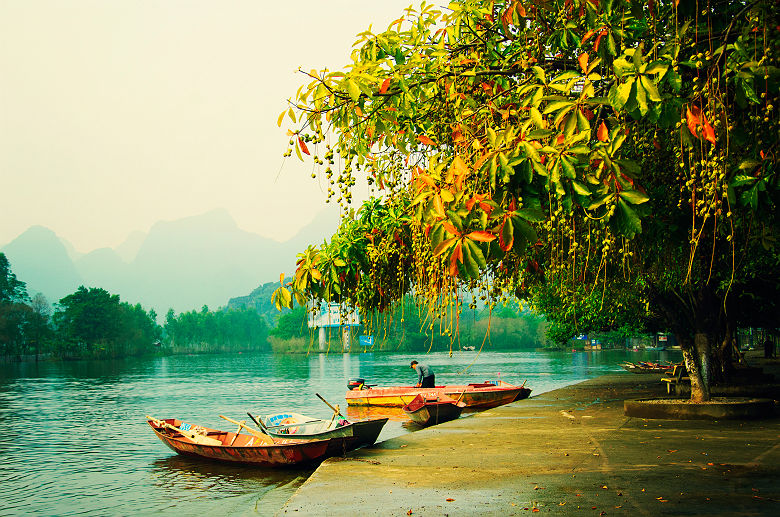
[[570, 451]]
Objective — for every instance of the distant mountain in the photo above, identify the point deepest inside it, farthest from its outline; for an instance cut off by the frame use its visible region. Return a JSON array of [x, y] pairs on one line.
[[128, 250], [105, 268], [183, 264], [39, 258]]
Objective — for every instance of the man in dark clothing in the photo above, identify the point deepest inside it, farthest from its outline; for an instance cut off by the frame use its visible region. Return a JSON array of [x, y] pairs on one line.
[[425, 376]]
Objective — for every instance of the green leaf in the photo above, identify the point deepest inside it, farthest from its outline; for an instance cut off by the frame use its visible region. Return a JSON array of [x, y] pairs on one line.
[[437, 235], [524, 230], [568, 168], [557, 105], [634, 197], [469, 262], [580, 189], [531, 214], [353, 89], [476, 253], [537, 118], [742, 180], [600, 201], [626, 221], [651, 88]]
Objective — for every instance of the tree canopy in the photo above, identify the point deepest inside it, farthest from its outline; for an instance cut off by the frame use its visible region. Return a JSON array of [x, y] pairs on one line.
[[608, 160]]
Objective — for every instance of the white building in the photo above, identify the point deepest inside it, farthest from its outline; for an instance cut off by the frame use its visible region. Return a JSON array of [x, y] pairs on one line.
[[331, 316]]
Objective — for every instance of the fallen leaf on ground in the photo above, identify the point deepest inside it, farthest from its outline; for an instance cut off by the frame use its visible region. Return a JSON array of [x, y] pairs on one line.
[[450, 499]]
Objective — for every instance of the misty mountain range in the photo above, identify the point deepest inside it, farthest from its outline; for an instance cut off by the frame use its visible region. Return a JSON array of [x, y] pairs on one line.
[[182, 264]]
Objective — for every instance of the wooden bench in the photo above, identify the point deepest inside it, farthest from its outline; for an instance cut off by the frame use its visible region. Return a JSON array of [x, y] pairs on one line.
[[677, 376]]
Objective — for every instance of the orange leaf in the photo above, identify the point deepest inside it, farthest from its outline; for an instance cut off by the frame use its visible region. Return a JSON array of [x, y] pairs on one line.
[[358, 111], [385, 86], [583, 59], [450, 499], [427, 180], [457, 256], [587, 36], [438, 206], [520, 9], [709, 132], [303, 145], [692, 118], [425, 140], [602, 132], [450, 228], [457, 170], [481, 236]]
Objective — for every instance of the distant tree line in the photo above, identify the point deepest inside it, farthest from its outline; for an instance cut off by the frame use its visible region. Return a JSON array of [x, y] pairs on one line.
[[93, 323], [233, 330], [409, 328]]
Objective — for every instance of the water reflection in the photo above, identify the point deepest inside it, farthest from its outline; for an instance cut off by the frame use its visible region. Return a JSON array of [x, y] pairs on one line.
[[177, 472]]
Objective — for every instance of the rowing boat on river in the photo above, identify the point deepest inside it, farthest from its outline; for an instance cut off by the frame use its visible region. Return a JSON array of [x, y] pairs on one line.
[[301, 427], [478, 395], [192, 440]]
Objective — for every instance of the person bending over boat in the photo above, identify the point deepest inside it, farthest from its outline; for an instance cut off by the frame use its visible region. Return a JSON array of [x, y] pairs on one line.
[[425, 376]]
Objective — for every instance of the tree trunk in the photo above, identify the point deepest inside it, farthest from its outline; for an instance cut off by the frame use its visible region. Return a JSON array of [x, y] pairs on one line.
[[697, 362]]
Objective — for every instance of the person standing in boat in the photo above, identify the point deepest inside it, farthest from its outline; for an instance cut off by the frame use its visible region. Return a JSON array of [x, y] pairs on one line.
[[425, 376]]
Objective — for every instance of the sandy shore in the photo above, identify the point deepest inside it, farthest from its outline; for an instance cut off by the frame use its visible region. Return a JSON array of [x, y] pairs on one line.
[[571, 451]]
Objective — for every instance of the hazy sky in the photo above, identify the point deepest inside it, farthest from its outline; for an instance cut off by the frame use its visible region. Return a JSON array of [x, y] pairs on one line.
[[115, 114]]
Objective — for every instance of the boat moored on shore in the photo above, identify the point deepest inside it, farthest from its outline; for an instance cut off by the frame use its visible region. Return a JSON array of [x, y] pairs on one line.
[[476, 395]]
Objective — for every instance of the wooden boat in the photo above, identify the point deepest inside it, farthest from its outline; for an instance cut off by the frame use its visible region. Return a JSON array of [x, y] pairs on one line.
[[478, 395], [192, 440], [644, 367], [427, 411], [301, 427]]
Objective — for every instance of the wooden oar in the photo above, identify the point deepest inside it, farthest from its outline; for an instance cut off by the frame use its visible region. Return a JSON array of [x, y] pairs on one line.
[[335, 409], [254, 432], [262, 426], [195, 437]]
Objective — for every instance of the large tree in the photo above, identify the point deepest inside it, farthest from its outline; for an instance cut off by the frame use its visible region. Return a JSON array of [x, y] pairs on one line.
[[618, 158]]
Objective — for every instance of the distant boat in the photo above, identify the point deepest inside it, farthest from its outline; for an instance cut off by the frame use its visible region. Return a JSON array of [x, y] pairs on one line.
[[192, 440], [478, 395], [427, 411], [643, 367]]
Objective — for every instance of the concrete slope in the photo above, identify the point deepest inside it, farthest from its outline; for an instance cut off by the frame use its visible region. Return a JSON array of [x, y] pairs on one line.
[[567, 452]]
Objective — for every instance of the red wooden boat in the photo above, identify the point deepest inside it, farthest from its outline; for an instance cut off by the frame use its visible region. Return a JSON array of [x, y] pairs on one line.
[[477, 395], [192, 440], [427, 411]]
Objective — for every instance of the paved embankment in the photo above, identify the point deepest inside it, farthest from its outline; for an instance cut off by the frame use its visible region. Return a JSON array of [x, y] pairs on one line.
[[567, 452]]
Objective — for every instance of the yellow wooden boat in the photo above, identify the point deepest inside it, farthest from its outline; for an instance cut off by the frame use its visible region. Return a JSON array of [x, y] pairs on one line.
[[477, 395]]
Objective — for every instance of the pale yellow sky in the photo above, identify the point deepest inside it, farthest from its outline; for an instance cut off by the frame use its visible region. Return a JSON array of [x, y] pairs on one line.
[[116, 114]]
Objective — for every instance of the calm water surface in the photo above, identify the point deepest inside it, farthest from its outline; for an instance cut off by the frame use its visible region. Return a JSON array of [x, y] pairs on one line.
[[74, 440]]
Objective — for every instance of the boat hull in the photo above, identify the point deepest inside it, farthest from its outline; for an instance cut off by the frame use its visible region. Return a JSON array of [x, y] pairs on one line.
[[300, 427], [481, 396], [425, 412], [241, 448]]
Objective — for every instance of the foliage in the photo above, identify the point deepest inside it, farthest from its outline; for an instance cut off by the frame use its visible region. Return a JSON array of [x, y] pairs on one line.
[[92, 322], [292, 325], [232, 330], [11, 289], [571, 147]]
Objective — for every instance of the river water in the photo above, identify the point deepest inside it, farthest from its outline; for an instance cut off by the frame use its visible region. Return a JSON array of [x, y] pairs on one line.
[[74, 440]]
